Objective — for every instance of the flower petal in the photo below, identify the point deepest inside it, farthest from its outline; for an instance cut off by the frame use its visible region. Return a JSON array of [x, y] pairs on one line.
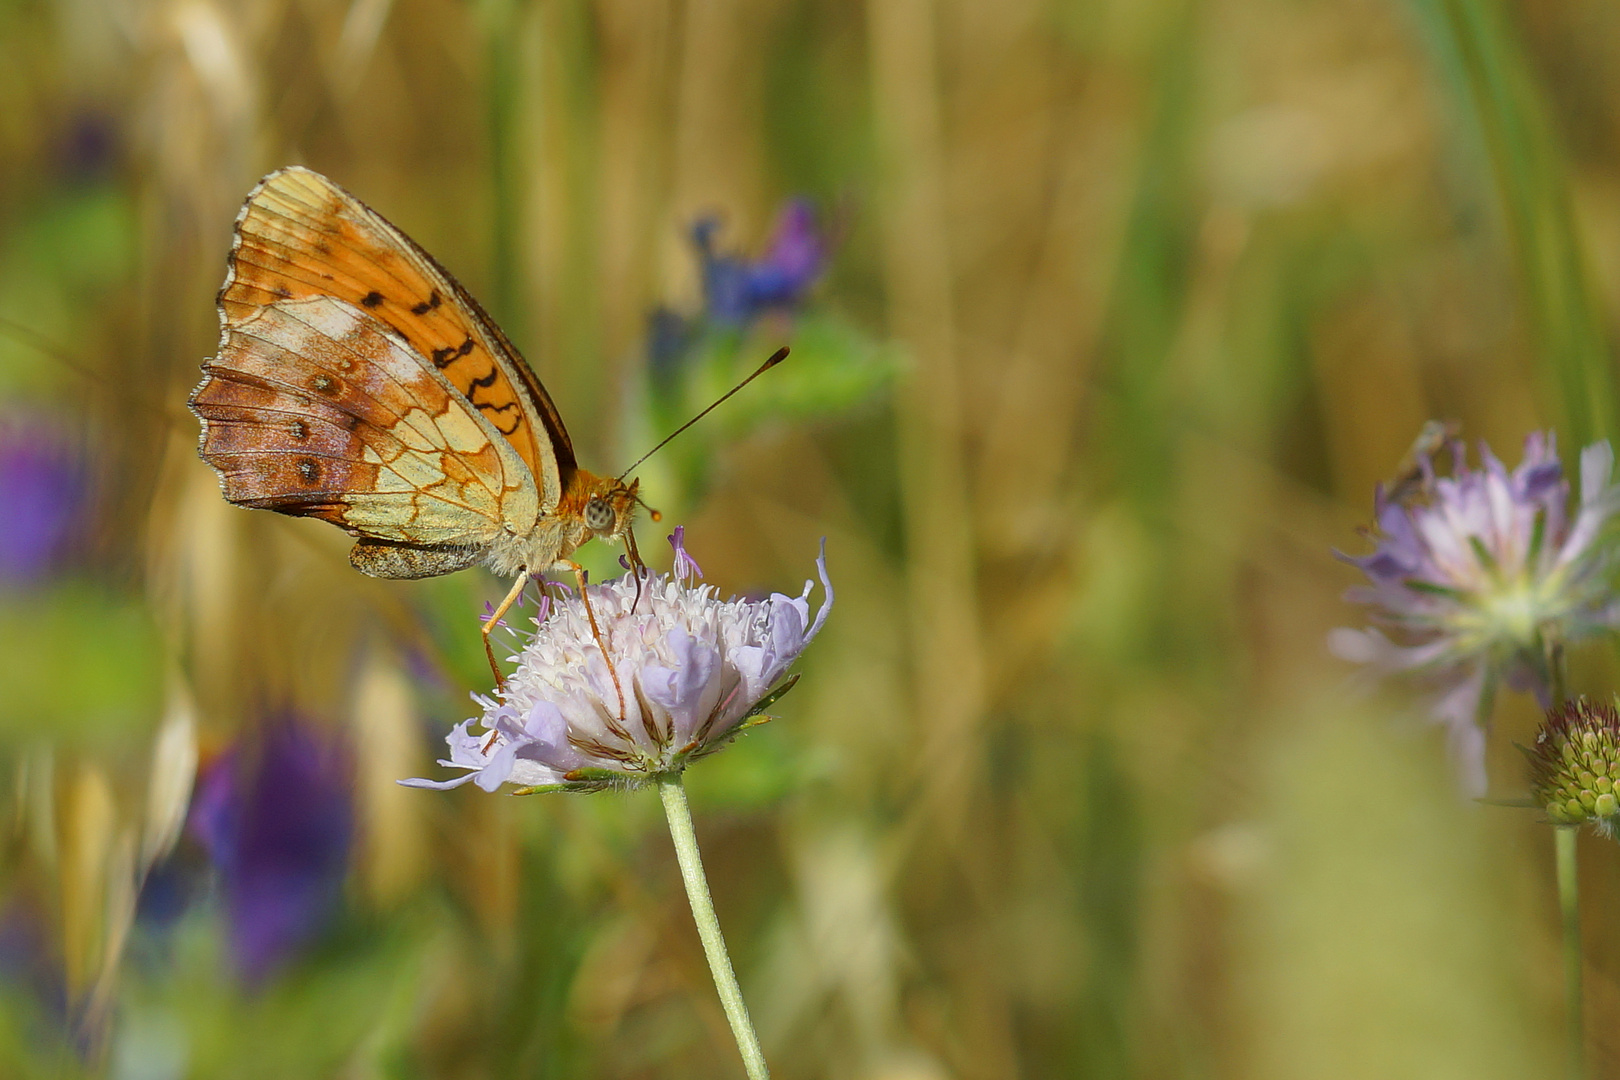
[[690, 689]]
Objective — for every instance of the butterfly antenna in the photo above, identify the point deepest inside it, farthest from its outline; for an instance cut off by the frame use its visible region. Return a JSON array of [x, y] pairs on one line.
[[776, 358], [33, 338]]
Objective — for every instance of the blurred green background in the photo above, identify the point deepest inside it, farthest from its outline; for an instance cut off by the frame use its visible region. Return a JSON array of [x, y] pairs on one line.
[[1127, 305]]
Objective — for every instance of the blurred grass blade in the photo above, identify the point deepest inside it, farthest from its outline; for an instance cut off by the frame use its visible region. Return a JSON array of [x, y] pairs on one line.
[[174, 768], [1494, 90], [503, 29]]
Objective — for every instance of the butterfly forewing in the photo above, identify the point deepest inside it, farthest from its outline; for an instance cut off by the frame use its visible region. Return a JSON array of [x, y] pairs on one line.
[[300, 235]]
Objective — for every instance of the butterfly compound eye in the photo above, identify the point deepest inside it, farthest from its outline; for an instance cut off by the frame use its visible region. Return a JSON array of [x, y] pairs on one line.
[[599, 515]]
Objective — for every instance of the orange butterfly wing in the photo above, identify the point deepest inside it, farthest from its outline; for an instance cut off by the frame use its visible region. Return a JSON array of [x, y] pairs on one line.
[[300, 235], [315, 409]]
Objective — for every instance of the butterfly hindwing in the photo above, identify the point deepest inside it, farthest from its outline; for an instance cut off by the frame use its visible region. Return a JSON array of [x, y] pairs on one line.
[[314, 408], [300, 235]]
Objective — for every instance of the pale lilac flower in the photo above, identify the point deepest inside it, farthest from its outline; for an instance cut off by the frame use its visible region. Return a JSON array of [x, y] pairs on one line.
[[1479, 581], [691, 669]]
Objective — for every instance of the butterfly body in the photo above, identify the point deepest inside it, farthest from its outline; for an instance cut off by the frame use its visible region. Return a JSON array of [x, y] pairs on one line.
[[359, 383]]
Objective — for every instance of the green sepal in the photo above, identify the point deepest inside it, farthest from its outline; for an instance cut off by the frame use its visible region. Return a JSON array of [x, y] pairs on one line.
[[575, 777], [584, 782], [771, 699]]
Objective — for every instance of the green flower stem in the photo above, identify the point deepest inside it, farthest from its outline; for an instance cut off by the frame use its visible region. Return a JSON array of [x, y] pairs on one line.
[[673, 792], [1557, 676], [1569, 906]]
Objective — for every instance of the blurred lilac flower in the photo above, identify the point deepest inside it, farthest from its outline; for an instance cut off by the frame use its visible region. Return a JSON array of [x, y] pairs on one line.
[[1481, 579], [44, 490], [275, 815], [736, 290], [691, 668]]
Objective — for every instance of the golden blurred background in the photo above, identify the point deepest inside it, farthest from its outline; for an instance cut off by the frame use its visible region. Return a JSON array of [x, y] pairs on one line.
[[1124, 308]]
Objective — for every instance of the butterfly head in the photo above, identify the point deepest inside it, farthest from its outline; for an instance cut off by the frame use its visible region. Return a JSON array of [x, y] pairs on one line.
[[609, 512], [607, 505]]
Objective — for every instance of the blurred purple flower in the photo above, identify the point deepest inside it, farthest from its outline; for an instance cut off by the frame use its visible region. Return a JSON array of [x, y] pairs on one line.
[[1483, 576], [44, 493], [691, 669], [275, 815], [87, 146], [737, 290], [30, 960]]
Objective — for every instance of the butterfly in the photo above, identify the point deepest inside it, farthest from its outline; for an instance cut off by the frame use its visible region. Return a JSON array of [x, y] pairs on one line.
[[359, 383]]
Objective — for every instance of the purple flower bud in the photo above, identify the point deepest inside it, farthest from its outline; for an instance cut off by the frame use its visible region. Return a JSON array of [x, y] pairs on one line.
[[737, 290]]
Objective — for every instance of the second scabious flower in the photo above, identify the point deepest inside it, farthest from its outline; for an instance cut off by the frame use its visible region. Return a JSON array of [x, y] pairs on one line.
[[1483, 577]]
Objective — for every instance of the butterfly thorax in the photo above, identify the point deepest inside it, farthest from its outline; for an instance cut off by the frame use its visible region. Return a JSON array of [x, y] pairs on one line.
[[592, 508]]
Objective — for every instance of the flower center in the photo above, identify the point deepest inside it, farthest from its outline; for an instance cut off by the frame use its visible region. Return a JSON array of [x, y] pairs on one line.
[[1514, 610]]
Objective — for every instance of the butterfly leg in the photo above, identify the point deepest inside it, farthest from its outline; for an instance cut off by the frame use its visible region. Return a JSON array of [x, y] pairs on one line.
[[637, 567], [596, 632], [495, 620]]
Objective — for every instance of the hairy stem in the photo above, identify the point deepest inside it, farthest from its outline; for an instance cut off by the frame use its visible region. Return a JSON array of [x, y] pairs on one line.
[[673, 792], [1569, 907]]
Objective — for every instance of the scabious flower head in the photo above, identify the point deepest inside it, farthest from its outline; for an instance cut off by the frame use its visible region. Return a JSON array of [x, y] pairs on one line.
[[275, 814], [687, 670], [1575, 766], [1482, 573]]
